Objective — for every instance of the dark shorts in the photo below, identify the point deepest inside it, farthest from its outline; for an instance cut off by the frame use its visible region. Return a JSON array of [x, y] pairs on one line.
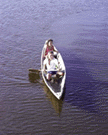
[[52, 72]]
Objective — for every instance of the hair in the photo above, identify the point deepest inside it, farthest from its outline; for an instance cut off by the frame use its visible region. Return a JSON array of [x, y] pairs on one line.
[[50, 40]]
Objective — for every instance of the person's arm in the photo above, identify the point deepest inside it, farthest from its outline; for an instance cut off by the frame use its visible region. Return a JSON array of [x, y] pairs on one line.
[[44, 50], [56, 65], [44, 65], [55, 49]]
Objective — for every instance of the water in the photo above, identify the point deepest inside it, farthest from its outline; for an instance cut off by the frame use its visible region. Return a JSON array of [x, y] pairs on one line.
[[80, 33]]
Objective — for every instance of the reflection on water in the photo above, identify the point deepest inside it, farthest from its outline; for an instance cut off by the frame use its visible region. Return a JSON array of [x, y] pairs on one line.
[[82, 90], [35, 77], [83, 96], [57, 104]]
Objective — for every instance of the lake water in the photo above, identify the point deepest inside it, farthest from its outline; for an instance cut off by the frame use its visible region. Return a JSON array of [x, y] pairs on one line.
[[80, 33]]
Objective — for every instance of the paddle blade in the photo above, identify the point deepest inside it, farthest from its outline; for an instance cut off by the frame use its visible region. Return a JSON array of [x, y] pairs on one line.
[[34, 70], [33, 77]]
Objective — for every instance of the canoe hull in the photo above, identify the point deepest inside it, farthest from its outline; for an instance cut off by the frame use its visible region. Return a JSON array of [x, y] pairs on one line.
[[56, 87]]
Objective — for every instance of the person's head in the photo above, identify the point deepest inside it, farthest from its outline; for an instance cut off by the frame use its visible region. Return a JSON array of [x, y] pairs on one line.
[[50, 42], [51, 55]]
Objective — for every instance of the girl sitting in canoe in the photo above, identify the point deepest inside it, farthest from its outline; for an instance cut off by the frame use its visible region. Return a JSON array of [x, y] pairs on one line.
[[49, 47]]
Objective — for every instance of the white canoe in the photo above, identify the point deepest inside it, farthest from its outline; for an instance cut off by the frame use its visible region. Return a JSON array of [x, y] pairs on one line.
[[58, 87]]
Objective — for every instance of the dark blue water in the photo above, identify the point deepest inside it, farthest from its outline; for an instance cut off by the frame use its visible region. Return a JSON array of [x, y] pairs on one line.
[[80, 32]]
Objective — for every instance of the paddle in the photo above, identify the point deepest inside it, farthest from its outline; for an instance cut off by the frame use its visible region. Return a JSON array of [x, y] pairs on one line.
[[34, 75], [34, 70]]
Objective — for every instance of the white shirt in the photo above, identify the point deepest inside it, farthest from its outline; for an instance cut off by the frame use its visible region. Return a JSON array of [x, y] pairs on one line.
[[53, 64]]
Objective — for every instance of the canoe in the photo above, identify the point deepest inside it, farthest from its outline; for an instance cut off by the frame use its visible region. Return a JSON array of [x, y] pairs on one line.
[[57, 87]]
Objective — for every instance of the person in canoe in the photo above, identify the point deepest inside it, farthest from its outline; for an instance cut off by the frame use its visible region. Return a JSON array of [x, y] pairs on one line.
[[52, 66], [49, 47]]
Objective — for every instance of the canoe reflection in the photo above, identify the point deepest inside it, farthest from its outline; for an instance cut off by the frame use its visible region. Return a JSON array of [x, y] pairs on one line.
[[57, 104]]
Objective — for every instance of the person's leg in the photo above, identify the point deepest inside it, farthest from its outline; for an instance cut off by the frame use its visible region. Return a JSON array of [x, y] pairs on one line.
[[48, 76], [60, 73]]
